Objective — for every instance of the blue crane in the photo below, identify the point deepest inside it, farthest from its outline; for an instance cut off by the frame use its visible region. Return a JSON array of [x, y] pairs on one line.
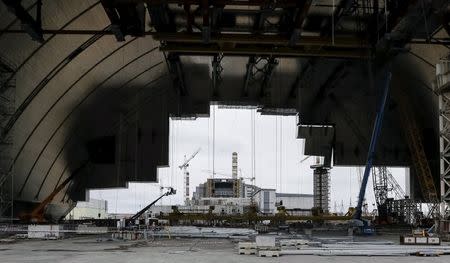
[[371, 153]]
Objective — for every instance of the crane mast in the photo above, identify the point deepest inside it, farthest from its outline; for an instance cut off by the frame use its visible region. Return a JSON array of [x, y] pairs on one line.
[[184, 168]]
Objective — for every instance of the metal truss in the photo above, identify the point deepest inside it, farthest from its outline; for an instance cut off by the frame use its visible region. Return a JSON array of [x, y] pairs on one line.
[[7, 102], [176, 72], [380, 185], [216, 74], [443, 85], [259, 70]]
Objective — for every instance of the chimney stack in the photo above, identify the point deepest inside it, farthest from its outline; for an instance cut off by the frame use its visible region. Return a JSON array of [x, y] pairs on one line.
[[234, 165]]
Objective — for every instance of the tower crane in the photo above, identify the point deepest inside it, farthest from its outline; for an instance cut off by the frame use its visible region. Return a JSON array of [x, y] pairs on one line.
[[184, 167], [252, 179]]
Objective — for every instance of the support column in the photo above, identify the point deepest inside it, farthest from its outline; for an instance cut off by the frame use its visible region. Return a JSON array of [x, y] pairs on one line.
[[443, 90]]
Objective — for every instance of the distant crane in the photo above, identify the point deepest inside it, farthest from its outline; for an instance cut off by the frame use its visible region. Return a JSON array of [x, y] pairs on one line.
[[215, 173], [252, 179], [304, 159], [184, 167]]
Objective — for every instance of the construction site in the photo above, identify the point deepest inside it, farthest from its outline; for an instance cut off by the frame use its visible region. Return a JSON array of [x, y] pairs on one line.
[[239, 130]]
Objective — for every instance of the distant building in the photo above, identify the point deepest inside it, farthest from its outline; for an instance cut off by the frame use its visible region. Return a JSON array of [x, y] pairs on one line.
[[94, 209], [295, 201], [266, 200], [220, 188], [233, 196], [224, 188]]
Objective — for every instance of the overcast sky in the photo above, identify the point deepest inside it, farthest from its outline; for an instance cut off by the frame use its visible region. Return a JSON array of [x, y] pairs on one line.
[[277, 161]]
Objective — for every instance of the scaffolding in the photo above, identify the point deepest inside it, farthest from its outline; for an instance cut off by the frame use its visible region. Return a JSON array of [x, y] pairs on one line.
[[321, 190], [404, 211], [7, 104]]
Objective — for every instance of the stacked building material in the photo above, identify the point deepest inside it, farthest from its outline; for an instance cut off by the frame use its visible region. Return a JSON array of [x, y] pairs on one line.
[[247, 248]]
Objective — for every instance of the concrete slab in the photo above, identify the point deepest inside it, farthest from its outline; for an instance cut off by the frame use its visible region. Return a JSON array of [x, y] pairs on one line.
[[268, 253], [88, 249], [265, 241]]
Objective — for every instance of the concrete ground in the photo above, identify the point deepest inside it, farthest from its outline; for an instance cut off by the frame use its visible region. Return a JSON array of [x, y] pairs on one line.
[[88, 249]]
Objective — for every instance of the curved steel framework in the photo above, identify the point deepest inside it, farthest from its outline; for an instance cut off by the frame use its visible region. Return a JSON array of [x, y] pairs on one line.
[[25, 61], [77, 107]]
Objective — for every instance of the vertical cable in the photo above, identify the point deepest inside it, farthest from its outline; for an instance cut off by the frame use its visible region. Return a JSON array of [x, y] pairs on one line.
[[276, 152], [209, 153], [386, 16], [214, 142], [425, 20], [254, 144], [281, 153], [332, 24], [171, 151], [299, 170]]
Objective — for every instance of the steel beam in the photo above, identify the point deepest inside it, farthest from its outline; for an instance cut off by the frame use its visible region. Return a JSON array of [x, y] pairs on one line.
[[162, 18], [342, 8], [114, 18], [347, 42], [126, 18], [176, 71], [216, 74], [206, 30], [276, 4], [268, 73], [263, 51], [32, 26], [248, 75], [340, 41], [299, 19]]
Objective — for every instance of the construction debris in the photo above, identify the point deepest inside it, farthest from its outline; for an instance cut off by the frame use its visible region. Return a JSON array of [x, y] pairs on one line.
[[272, 246], [7, 241], [268, 253]]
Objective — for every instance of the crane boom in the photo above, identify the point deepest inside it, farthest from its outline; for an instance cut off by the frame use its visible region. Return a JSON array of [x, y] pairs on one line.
[[215, 172], [373, 142], [186, 162], [37, 214], [171, 191], [184, 167]]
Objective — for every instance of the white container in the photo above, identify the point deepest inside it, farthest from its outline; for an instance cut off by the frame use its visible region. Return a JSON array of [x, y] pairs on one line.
[[409, 240], [434, 241], [265, 241], [45, 231], [421, 240], [91, 230], [247, 245]]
